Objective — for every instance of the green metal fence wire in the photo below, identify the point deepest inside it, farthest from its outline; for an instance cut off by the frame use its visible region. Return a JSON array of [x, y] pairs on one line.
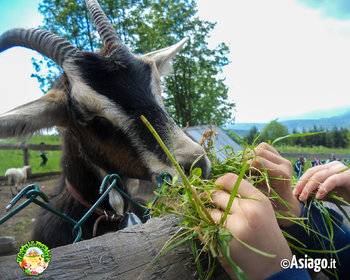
[[163, 180], [32, 193]]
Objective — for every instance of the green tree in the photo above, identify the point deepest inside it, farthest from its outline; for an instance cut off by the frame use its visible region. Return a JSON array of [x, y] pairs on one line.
[[316, 139], [298, 141], [339, 136], [252, 134], [194, 92], [274, 131]]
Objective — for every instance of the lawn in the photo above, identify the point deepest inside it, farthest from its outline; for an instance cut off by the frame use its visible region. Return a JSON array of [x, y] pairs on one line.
[[311, 150], [14, 158]]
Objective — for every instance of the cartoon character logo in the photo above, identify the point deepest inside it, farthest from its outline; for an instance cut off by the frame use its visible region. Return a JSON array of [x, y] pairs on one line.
[[33, 258]]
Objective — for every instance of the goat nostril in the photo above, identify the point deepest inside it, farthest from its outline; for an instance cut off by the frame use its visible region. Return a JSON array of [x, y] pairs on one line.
[[203, 164], [186, 168]]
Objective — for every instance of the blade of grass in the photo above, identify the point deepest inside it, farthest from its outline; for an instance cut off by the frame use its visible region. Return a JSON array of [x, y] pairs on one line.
[[197, 202], [169, 247], [234, 192], [296, 135], [238, 271], [254, 249]]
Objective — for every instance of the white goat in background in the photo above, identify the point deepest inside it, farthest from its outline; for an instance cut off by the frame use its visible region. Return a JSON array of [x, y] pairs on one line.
[[17, 177]]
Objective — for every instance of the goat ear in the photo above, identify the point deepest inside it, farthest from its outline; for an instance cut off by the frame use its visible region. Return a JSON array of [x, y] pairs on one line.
[[45, 112], [163, 57]]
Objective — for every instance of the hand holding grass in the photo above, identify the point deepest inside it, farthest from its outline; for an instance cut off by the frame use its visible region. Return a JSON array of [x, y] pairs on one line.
[[252, 220], [333, 176], [280, 172]]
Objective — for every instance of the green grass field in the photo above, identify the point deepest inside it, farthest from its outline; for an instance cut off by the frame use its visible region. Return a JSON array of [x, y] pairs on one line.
[[14, 158], [310, 150]]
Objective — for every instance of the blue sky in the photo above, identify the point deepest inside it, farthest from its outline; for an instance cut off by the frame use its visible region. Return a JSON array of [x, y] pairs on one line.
[[16, 85], [288, 57], [338, 9], [19, 13]]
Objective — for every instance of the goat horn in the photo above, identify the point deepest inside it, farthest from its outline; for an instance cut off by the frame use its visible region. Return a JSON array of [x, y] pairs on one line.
[[44, 42], [103, 25]]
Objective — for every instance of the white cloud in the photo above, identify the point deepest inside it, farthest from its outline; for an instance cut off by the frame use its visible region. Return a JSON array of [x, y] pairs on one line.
[[16, 86], [286, 58]]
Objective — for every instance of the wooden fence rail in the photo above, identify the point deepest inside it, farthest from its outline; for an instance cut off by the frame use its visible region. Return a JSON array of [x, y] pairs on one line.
[[128, 254], [35, 147], [320, 156], [26, 147]]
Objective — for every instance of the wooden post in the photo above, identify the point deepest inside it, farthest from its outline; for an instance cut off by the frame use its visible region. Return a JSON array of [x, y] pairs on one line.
[[128, 254], [25, 156]]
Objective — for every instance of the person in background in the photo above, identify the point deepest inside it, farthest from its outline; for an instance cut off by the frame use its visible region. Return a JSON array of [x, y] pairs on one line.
[[332, 158], [43, 154], [299, 167], [315, 161], [254, 222]]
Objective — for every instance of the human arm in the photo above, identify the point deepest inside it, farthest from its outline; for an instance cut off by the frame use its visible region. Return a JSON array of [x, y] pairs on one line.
[[315, 233]]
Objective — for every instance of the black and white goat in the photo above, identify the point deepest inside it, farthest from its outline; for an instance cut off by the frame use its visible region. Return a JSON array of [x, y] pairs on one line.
[[98, 101]]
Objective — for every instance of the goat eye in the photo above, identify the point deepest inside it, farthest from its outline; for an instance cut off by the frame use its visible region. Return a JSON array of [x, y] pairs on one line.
[[100, 126]]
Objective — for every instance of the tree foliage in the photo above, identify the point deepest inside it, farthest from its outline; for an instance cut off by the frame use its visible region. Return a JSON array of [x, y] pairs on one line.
[[194, 93], [334, 138]]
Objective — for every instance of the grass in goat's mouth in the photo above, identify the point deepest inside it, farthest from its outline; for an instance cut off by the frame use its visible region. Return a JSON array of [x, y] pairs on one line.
[[189, 198]]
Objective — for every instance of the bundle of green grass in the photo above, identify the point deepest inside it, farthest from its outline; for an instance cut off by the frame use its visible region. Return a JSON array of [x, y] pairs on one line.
[[190, 198]]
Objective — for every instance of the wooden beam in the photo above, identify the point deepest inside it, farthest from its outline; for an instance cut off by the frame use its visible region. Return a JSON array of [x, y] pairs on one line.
[[127, 254], [29, 147], [320, 156]]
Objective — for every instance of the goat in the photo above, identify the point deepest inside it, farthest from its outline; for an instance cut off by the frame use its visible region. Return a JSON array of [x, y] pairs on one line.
[[17, 177], [97, 103]]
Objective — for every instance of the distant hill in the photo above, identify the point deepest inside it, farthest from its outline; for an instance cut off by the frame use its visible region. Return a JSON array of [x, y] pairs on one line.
[[342, 120]]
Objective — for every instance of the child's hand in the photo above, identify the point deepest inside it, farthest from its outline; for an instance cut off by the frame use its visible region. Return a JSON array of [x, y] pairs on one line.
[[252, 221], [280, 171], [333, 176]]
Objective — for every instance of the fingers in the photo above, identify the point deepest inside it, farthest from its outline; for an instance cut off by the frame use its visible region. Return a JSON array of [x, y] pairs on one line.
[[261, 148], [304, 179], [324, 177], [310, 185], [221, 199], [229, 180], [266, 157], [216, 215], [266, 151], [331, 183], [267, 147], [246, 190], [272, 166]]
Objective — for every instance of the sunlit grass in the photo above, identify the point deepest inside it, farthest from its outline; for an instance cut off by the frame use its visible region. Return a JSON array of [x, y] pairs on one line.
[[14, 158]]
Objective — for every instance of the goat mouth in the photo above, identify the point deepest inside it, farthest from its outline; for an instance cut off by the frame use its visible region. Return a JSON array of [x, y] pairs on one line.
[[203, 163]]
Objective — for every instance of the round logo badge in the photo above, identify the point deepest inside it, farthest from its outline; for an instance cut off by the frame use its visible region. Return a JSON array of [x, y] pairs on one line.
[[33, 258]]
